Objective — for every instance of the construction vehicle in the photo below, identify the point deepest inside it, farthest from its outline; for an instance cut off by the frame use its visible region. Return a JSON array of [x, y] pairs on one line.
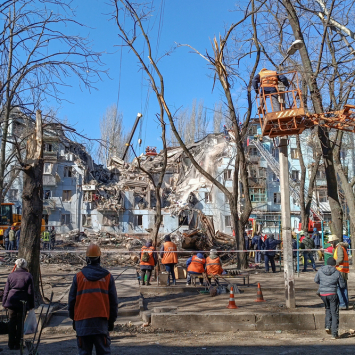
[[10, 219]]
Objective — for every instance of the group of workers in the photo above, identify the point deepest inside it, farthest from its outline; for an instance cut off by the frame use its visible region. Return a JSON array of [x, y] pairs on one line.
[[196, 264], [12, 238]]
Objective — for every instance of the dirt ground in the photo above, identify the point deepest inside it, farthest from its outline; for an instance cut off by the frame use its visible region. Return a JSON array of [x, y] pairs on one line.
[[130, 337], [61, 341]]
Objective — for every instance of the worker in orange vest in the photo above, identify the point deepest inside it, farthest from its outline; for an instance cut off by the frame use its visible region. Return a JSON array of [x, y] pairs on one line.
[[195, 265], [168, 254], [93, 305], [148, 260], [268, 81], [341, 257], [213, 264]]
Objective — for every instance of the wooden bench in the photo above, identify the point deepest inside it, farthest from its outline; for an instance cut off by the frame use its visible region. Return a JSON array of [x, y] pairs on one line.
[[243, 276]]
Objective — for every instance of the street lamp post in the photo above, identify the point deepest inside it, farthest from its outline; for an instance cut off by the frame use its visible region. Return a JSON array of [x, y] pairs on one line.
[[286, 208]]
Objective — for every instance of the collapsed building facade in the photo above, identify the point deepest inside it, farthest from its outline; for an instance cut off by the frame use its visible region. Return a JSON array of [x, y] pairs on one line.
[[120, 198]]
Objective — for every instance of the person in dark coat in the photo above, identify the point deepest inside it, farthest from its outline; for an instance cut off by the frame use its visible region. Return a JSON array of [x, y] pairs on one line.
[[308, 255], [258, 244], [19, 287], [6, 238], [316, 238], [148, 267], [270, 244], [329, 278], [18, 236], [93, 305]]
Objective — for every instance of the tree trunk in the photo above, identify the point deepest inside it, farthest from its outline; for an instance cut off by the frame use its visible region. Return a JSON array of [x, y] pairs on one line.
[[323, 135], [32, 206]]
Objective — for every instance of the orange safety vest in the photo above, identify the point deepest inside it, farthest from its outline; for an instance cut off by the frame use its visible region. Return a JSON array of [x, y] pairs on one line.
[[197, 265], [268, 78], [344, 266], [213, 266], [151, 256], [168, 257], [92, 300]]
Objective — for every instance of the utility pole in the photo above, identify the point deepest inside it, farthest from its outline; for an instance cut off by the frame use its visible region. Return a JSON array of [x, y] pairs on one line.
[[286, 226]]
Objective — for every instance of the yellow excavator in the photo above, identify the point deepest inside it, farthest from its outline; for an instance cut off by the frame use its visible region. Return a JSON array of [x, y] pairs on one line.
[[10, 219]]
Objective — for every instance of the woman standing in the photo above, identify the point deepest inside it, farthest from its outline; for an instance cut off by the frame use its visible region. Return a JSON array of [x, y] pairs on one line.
[[169, 258], [19, 287]]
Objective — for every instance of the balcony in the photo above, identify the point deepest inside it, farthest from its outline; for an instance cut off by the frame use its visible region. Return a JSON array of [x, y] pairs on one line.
[[53, 155]]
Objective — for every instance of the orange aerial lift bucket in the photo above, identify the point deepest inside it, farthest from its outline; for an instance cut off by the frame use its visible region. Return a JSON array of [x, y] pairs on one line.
[[290, 119]]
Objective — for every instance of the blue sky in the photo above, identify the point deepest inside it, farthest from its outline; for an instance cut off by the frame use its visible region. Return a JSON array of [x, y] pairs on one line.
[[187, 75]]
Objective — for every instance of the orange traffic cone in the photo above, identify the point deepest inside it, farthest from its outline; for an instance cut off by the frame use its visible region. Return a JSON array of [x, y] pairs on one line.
[[231, 304], [259, 294]]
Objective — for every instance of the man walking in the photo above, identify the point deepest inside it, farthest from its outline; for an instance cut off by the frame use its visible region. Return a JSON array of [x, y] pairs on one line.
[[270, 245], [340, 255], [308, 255], [329, 279], [93, 305]]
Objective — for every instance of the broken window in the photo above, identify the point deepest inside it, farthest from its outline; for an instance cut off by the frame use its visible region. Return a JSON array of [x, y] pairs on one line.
[[66, 196], [320, 174], [47, 168], [253, 151], [262, 172], [227, 174], [183, 219], [274, 177], [47, 194], [139, 220], [295, 174], [322, 195], [87, 196], [257, 195], [65, 219], [68, 171], [253, 173], [86, 220], [208, 197], [227, 221], [48, 147], [294, 153], [110, 220], [13, 194], [277, 197]]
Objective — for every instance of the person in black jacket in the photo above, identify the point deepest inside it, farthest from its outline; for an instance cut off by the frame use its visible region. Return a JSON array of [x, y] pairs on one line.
[[19, 287], [270, 244]]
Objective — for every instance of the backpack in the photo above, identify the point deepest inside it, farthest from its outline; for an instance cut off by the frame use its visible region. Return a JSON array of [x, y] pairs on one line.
[[145, 257]]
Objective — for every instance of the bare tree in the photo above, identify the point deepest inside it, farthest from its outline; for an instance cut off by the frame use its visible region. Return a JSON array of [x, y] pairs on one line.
[[36, 56], [223, 71], [306, 198]]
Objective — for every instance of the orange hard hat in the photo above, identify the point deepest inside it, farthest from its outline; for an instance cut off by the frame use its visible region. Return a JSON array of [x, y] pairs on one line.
[[93, 251]]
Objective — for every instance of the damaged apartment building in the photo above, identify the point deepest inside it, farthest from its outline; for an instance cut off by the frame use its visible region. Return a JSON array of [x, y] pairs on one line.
[[79, 194]]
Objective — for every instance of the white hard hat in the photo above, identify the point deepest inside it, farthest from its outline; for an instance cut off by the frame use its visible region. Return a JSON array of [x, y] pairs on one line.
[[332, 238]]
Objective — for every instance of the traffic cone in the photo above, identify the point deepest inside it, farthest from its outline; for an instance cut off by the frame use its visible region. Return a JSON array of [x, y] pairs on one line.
[[231, 304], [259, 294]]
